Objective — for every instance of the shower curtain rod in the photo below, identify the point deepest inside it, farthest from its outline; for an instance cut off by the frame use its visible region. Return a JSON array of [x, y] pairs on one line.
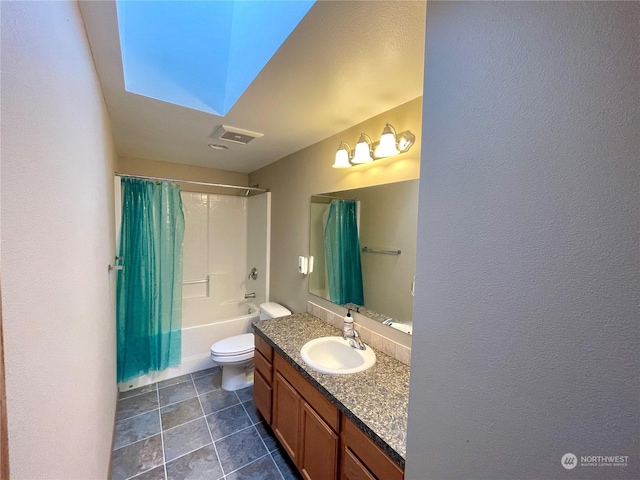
[[322, 195], [221, 185]]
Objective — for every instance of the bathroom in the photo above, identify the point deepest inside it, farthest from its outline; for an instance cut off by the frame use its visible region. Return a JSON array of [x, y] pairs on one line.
[[507, 297]]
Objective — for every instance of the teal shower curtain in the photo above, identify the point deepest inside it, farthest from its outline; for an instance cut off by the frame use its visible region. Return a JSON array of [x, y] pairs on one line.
[[149, 298], [342, 253]]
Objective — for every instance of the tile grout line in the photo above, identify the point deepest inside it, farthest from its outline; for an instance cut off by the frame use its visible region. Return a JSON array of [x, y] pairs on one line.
[[189, 452], [269, 452], [204, 375], [211, 436], [237, 431], [261, 439], [176, 426], [164, 460], [251, 462], [132, 396], [185, 423], [175, 403], [139, 440], [136, 415], [162, 430], [276, 463], [142, 473], [215, 411], [222, 409], [267, 449], [159, 409], [161, 439]]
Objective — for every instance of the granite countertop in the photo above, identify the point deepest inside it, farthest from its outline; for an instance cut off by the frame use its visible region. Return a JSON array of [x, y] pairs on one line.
[[376, 399]]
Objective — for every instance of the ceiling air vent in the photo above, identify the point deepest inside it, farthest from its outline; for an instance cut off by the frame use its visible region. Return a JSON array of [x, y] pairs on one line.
[[234, 135]]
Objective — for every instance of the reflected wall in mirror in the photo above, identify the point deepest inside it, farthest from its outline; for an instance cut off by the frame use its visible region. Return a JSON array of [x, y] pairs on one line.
[[386, 217]]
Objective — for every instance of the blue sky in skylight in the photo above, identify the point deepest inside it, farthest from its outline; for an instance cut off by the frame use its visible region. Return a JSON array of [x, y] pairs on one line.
[[201, 54]]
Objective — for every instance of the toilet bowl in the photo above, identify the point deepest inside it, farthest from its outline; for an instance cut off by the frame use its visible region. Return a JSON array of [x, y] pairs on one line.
[[235, 354]]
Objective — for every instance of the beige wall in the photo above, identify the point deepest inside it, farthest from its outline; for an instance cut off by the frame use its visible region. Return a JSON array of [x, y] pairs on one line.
[[57, 239], [526, 328], [153, 168], [389, 220], [293, 179]]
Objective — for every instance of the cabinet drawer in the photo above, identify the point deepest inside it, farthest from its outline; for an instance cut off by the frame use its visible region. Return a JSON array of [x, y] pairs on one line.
[[353, 469], [262, 395], [263, 366], [327, 411], [356, 443], [263, 347]]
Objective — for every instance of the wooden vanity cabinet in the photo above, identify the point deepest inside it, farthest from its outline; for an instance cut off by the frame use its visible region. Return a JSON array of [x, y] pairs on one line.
[[323, 443], [262, 379], [305, 422]]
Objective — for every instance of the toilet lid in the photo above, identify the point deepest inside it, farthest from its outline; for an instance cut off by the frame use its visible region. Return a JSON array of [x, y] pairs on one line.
[[235, 345]]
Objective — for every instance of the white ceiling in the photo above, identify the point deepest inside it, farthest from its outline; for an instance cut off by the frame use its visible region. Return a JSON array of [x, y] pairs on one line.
[[346, 61]]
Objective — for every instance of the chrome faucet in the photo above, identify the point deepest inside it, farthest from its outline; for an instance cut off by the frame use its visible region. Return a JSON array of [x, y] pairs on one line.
[[249, 295], [354, 340]]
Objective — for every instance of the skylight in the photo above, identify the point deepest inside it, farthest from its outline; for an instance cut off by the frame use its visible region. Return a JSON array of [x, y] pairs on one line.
[[201, 54]]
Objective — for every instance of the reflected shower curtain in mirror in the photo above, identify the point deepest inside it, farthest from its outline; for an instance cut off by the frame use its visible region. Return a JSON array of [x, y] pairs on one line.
[[342, 253], [149, 298]]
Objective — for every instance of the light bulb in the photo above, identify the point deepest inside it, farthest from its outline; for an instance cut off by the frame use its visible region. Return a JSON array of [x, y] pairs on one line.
[[342, 159], [387, 146], [363, 151]]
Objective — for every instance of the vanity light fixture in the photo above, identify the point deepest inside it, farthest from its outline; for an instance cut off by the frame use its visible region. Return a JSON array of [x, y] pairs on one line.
[[390, 144], [363, 150], [342, 156]]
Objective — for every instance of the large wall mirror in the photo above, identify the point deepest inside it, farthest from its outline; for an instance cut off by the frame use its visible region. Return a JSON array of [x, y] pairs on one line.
[[364, 246]]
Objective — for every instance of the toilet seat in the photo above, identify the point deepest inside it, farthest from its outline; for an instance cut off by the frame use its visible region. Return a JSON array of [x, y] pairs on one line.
[[236, 346], [232, 359]]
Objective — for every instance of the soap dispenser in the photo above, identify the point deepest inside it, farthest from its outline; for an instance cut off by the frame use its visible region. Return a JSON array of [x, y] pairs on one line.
[[347, 326]]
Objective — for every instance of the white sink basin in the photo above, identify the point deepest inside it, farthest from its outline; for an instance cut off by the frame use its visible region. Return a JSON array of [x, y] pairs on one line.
[[335, 356]]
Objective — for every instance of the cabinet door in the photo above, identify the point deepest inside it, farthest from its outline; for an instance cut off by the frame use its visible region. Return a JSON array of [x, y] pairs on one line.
[[286, 414], [353, 469], [262, 396], [319, 447]]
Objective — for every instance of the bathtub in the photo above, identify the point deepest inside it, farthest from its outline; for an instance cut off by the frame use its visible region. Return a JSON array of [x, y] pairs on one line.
[[196, 345]]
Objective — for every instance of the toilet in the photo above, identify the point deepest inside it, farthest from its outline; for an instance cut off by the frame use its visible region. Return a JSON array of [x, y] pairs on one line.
[[235, 354]]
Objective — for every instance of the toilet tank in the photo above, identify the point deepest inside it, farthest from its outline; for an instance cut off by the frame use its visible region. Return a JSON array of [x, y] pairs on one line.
[[272, 310]]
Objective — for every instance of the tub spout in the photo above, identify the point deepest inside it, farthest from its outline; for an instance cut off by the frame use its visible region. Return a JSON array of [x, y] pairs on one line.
[[249, 295]]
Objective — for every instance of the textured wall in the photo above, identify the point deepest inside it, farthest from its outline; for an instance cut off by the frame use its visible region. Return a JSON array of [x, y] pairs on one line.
[[525, 343], [293, 179], [57, 239]]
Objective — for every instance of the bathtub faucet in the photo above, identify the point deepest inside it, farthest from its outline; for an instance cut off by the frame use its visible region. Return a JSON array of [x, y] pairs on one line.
[[249, 295]]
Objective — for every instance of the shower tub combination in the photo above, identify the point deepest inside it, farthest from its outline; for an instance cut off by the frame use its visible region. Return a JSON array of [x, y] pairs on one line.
[[196, 345], [226, 236]]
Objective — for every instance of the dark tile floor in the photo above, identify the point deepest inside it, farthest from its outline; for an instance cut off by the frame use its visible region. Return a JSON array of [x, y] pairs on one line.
[[189, 428]]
